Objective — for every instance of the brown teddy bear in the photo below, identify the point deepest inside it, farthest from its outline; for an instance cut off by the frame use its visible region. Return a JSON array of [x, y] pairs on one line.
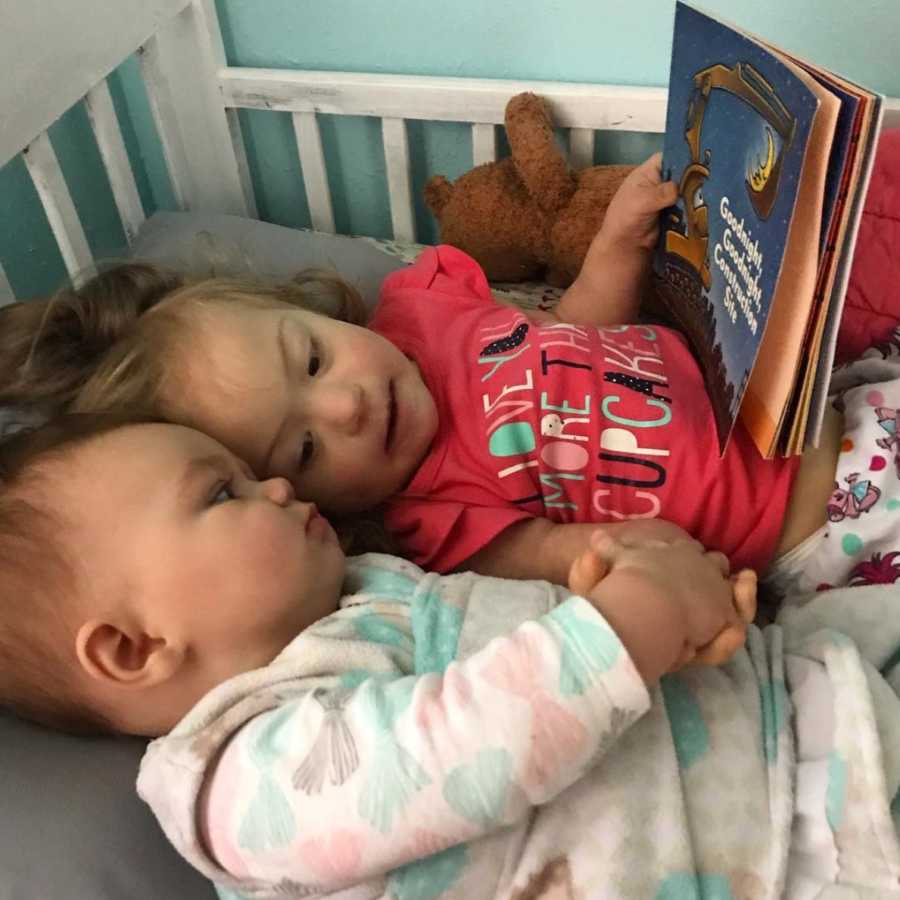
[[529, 216]]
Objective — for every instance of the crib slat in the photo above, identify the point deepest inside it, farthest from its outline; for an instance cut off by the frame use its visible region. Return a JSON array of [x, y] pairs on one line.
[[222, 178], [180, 65], [396, 157], [315, 179], [103, 119], [50, 184], [6, 292], [163, 109], [243, 166], [484, 143], [581, 148]]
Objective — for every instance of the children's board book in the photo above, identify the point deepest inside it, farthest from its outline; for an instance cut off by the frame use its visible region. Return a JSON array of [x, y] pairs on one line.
[[772, 156]]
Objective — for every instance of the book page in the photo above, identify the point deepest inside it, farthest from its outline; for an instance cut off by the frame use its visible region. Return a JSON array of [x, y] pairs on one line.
[[844, 168], [825, 359], [859, 121], [772, 379]]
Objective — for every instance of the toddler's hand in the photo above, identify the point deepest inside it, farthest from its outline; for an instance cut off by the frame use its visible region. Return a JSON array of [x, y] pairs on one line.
[[638, 531], [728, 641], [670, 601], [632, 219]]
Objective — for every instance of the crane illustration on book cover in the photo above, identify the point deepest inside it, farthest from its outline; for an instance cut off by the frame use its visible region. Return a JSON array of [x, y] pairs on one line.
[[731, 147], [737, 256]]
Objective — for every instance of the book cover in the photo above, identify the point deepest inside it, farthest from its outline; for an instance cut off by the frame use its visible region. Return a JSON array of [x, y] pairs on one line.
[[738, 127]]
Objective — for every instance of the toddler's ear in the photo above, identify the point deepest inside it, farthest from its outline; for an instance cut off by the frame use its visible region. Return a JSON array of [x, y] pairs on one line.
[[125, 657]]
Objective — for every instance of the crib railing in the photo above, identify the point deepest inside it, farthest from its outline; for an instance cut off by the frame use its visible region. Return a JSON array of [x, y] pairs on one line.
[[396, 99], [194, 99]]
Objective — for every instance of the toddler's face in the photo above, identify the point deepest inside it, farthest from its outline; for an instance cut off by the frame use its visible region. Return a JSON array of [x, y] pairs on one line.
[[335, 408], [171, 521]]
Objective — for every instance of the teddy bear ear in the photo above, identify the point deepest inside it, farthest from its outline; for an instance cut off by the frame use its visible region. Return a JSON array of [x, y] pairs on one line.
[[437, 193], [538, 160]]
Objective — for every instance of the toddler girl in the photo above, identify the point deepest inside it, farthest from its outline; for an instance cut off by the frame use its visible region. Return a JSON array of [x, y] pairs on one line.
[[404, 740], [496, 439]]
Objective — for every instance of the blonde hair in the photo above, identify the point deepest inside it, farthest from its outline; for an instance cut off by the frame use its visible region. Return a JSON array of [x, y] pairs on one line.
[[116, 342], [37, 656], [119, 344]]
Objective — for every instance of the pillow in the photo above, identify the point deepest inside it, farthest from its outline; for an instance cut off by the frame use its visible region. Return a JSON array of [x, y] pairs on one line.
[[75, 827], [230, 245]]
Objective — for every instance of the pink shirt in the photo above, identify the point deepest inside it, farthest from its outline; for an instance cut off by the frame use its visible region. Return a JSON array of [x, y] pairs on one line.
[[568, 422]]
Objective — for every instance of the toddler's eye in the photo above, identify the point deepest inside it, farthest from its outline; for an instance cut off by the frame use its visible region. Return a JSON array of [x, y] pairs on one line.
[[314, 361], [223, 494], [306, 451]]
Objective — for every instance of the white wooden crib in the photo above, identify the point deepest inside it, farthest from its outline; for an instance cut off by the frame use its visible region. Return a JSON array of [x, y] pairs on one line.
[[58, 53], [194, 96]]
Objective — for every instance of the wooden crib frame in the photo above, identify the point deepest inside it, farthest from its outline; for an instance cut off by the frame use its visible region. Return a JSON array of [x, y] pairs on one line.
[[179, 44]]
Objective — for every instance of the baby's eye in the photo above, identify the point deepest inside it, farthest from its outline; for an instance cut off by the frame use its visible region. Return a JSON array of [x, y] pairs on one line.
[[314, 361], [223, 494], [307, 448]]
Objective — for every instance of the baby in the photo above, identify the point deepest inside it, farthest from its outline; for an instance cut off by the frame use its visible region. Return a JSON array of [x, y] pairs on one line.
[[416, 737], [495, 439]]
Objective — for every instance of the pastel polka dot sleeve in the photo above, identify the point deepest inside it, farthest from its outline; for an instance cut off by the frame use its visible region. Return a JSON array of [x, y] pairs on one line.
[[337, 787]]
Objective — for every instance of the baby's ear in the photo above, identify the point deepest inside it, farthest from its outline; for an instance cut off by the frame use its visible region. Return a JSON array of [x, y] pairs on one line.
[[125, 656]]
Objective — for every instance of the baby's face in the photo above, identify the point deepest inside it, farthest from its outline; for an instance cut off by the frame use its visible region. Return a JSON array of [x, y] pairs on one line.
[[172, 529], [336, 409]]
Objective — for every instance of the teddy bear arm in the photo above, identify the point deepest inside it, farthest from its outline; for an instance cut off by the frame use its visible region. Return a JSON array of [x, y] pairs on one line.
[[538, 160]]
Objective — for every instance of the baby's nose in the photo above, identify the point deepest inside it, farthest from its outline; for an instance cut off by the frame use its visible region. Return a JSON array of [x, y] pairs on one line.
[[279, 490]]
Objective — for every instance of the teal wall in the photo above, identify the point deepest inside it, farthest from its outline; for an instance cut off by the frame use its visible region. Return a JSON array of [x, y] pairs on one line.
[[574, 40]]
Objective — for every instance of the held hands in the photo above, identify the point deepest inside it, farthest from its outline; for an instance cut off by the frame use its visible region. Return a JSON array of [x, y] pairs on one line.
[[632, 219], [670, 601]]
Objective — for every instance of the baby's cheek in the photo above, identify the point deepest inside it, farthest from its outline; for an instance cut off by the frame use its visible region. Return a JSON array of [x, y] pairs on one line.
[[268, 538]]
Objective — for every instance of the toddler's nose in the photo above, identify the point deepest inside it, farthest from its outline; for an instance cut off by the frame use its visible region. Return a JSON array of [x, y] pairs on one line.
[[278, 490], [342, 406]]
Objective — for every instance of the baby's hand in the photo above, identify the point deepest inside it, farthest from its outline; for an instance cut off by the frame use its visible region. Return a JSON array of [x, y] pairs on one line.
[[632, 219], [670, 601]]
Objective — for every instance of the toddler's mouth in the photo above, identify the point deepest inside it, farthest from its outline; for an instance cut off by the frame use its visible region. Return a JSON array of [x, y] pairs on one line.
[[311, 518], [392, 418]]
